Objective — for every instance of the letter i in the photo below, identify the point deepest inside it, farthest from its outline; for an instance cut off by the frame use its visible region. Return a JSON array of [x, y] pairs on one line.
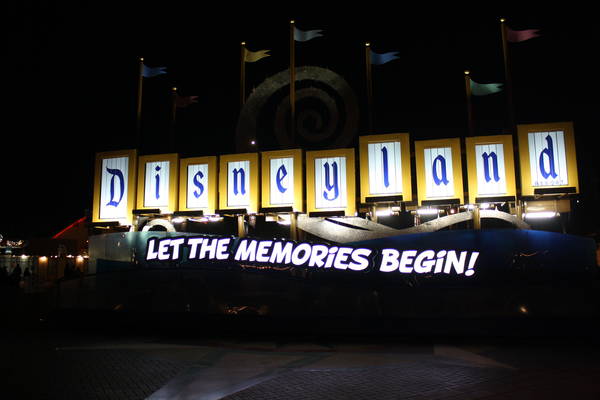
[[157, 178]]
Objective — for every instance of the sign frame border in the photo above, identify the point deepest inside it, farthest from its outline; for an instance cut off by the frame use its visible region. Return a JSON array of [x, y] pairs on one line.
[[570, 152], [253, 181], [404, 139], [131, 183], [349, 153], [454, 144], [509, 161], [173, 159], [266, 157], [212, 182]]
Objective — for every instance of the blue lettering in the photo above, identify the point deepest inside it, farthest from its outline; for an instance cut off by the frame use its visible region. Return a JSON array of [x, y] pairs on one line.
[[118, 174], [157, 187], [436, 178], [199, 175], [549, 152], [281, 173], [242, 174], [384, 154], [333, 185], [486, 167]]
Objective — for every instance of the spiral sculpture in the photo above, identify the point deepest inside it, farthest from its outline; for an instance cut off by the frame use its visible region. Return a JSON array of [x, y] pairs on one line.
[[327, 112]]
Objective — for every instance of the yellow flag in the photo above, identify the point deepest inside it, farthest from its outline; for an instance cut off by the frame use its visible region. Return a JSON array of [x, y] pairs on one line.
[[254, 56]]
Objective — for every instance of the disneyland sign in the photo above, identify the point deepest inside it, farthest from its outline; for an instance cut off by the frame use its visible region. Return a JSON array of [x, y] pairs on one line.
[[310, 255]]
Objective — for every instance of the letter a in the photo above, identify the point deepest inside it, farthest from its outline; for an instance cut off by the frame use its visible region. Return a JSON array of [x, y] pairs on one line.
[[436, 178]]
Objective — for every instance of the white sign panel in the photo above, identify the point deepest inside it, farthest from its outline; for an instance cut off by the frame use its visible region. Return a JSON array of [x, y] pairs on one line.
[[281, 181], [197, 186], [491, 175], [156, 184], [330, 182], [439, 178], [238, 183], [385, 168], [547, 158], [113, 188]]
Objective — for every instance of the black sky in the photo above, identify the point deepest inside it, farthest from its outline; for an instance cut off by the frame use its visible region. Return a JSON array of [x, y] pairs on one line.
[[70, 85]]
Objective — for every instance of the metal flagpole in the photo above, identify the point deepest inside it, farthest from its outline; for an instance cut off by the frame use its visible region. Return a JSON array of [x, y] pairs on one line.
[[511, 110], [369, 85], [139, 103], [469, 104], [173, 117], [242, 75], [292, 83]]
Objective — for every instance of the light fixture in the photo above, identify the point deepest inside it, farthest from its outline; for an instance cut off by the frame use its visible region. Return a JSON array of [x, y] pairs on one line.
[[427, 211], [540, 215], [178, 220], [383, 212]]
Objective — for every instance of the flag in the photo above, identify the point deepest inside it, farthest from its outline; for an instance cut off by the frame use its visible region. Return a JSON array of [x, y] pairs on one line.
[[483, 89], [520, 36], [184, 101], [254, 56], [378, 59], [149, 72], [304, 36]]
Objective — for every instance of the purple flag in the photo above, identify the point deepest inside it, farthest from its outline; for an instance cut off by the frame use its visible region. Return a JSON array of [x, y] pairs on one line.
[[520, 36]]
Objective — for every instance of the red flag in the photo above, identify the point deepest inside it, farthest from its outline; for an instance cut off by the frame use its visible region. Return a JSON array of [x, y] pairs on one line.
[[520, 36], [184, 101]]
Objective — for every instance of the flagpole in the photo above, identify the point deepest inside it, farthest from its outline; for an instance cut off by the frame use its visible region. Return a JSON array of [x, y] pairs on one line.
[[138, 129], [242, 75], [369, 85], [173, 117], [508, 78], [511, 112], [292, 83], [469, 104]]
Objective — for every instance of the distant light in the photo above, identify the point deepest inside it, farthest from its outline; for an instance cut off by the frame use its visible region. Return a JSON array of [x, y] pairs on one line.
[[24, 256], [540, 215], [43, 259], [79, 259], [452, 211], [252, 142], [427, 211], [523, 309], [467, 72]]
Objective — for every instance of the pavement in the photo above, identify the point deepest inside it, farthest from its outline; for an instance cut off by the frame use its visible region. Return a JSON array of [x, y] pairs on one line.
[[43, 360]]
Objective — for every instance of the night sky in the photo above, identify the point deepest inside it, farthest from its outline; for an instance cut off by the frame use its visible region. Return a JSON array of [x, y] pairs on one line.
[[70, 87]]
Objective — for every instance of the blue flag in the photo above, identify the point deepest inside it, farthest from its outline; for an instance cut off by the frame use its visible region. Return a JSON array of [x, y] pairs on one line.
[[304, 36], [483, 89], [378, 59], [149, 72]]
